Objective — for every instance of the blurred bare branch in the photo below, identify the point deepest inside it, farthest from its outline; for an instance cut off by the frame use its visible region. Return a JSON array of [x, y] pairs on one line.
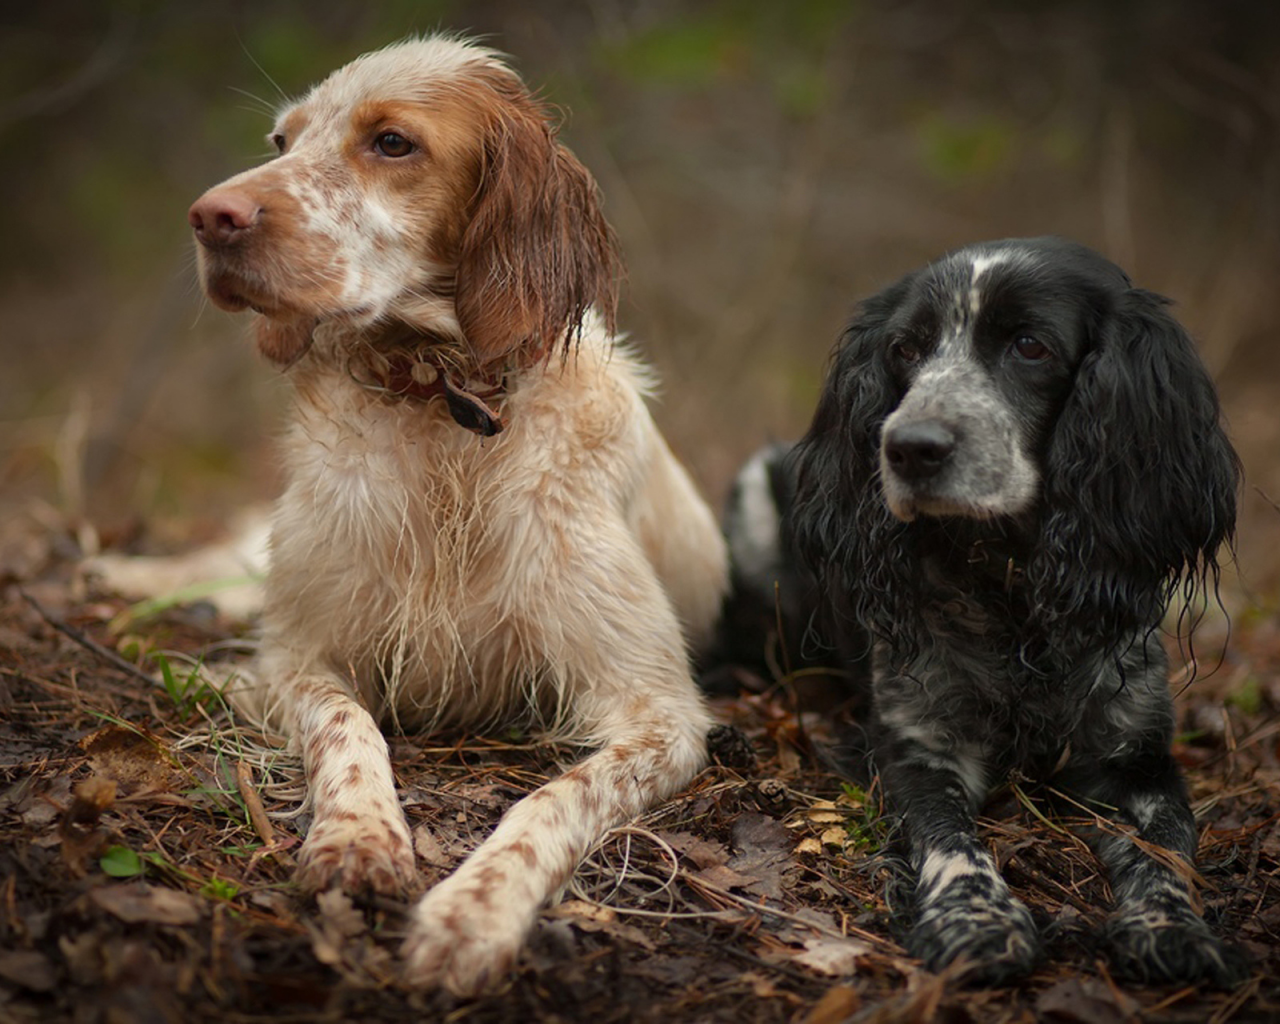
[[105, 61]]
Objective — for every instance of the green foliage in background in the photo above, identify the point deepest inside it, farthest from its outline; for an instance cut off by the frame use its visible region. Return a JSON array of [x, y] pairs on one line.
[[734, 41], [962, 151]]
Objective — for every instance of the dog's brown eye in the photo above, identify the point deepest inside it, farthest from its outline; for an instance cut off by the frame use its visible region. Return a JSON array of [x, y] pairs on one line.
[[393, 145], [906, 352], [1031, 350]]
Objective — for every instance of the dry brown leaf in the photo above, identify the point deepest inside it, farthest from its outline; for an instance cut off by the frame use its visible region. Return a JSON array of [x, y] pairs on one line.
[[838, 1004], [764, 851], [27, 968], [137, 761], [702, 852], [428, 848], [1086, 1001], [339, 914], [829, 955], [724, 877], [835, 837], [137, 902], [339, 921], [590, 917]]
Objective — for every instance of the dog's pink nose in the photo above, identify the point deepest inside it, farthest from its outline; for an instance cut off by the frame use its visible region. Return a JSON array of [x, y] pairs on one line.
[[221, 217]]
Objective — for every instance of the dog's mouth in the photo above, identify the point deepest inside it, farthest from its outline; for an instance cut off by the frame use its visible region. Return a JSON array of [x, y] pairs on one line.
[[912, 507], [235, 293], [227, 294], [908, 503]]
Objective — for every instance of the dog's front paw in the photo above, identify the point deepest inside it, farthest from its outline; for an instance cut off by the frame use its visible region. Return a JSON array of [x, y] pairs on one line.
[[358, 853], [1154, 943], [463, 937], [990, 940]]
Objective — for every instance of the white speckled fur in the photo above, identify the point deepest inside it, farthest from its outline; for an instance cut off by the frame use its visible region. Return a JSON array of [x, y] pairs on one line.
[[992, 473], [422, 576]]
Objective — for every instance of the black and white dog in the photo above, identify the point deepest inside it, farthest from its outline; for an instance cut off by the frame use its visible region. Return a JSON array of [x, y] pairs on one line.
[[1015, 466]]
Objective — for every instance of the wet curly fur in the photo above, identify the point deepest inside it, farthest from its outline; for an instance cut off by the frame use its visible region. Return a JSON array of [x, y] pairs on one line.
[[1015, 467]]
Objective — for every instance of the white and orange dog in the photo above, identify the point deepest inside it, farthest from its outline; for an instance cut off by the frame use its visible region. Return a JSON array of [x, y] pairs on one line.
[[482, 524]]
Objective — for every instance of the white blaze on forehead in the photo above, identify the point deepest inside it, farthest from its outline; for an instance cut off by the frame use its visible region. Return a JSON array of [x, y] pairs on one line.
[[403, 71], [407, 71], [979, 266], [968, 302]]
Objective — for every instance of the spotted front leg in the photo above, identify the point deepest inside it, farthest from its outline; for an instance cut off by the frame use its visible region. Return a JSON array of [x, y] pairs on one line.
[[965, 914], [1155, 934], [468, 930], [358, 837]]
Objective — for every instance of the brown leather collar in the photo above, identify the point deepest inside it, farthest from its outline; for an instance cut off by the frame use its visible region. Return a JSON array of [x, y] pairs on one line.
[[467, 407], [416, 376]]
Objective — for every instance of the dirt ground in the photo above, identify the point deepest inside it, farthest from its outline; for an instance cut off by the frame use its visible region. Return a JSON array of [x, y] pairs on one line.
[[145, 854]]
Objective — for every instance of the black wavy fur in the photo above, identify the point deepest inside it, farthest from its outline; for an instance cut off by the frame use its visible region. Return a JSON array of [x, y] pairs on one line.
[[1023, 634]]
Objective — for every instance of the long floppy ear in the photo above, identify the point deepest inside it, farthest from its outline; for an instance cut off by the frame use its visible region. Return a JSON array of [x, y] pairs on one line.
[[839, 525], [1140, 481], [537, 253]]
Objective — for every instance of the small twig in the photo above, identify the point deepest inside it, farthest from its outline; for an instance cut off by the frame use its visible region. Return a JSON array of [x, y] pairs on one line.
[[760, 908], [1160, 854], [105, 653], [1265, 497], [1029, 806], [732, 952], [1164, 1004], [253, 804], [1237, 999]]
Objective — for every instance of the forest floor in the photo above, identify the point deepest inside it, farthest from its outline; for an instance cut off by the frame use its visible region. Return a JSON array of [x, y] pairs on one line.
[[140, 880]]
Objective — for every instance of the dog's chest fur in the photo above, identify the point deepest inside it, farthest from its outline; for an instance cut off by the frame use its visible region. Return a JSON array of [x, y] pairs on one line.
[[417, 544], [970, 672]]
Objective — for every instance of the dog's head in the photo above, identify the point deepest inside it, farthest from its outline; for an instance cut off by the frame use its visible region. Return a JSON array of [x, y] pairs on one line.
[[980, 353], [1026, 383], [423, 185]]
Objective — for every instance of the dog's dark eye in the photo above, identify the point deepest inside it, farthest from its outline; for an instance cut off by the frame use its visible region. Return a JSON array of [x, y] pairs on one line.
[[905, 352], [393, 145], [278, 140], [1030, 349]]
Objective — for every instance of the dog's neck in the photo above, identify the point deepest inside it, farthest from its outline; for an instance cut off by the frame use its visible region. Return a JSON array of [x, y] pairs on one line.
[[407, 364], [994, 552]]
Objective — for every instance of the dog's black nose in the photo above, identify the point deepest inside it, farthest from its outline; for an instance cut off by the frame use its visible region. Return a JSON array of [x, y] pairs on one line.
[[917, 451]]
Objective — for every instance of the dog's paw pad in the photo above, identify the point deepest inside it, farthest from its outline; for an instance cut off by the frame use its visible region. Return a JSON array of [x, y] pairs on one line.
[[988, 941], [1155, 945], [358, 854]]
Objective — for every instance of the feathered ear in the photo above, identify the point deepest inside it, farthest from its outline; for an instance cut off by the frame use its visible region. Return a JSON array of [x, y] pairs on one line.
[[1140, 481], [839, 525], [537, 253]]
